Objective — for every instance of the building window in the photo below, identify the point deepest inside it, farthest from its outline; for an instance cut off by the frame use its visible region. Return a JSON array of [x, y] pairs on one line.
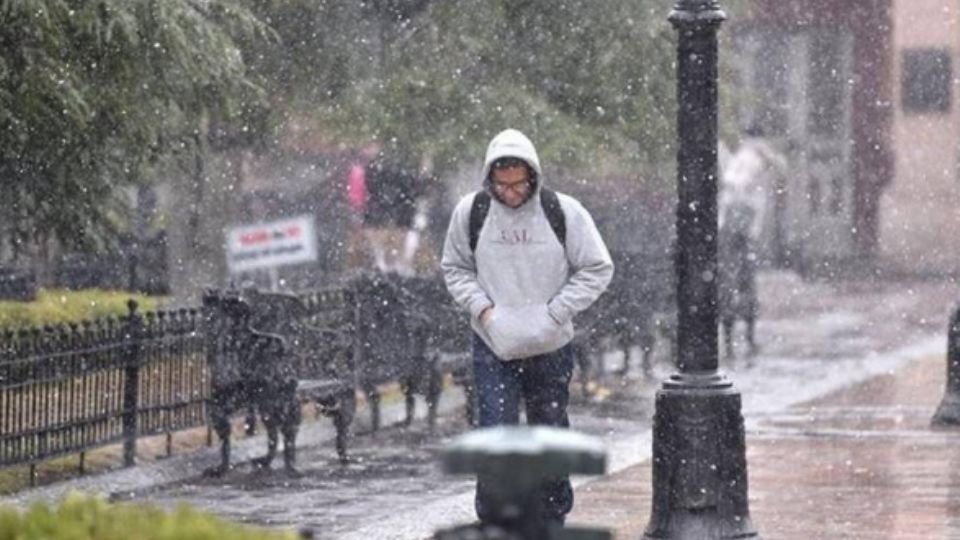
[[926, 80], [826, 90], [771, 82]]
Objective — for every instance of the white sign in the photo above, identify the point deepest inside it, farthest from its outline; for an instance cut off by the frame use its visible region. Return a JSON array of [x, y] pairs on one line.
[[271, 244]]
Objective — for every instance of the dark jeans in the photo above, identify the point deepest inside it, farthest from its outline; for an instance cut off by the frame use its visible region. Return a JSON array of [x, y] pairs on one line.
[[543, 384]]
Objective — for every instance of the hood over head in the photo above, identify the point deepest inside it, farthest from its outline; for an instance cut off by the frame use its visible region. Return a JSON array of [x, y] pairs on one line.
[[512, 143]]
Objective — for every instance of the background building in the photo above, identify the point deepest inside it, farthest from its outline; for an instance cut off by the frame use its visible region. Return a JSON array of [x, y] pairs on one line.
[[920, 229], [861, 96]]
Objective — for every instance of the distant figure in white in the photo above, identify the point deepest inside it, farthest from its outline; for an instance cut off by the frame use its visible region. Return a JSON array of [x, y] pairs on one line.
[[407, 265], [747, 184]]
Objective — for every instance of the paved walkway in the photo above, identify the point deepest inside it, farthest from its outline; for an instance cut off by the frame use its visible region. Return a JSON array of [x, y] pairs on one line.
[[861, 462], [837, 408]]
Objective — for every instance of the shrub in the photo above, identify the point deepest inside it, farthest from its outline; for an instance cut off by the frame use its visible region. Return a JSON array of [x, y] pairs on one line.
[[55, 306], [85, 518]]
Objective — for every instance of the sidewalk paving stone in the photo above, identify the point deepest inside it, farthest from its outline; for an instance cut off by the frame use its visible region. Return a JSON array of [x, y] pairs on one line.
[[859, 463]]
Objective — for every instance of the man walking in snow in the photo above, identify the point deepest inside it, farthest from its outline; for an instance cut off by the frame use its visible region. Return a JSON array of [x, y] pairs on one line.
[[523, 260]]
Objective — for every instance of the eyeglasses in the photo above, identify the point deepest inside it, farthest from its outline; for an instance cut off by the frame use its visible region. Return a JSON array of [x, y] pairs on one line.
[[519, 188]]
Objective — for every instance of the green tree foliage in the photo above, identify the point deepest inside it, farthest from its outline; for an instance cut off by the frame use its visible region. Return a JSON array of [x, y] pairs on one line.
[[95, 92], [592, 80], [92, 92]]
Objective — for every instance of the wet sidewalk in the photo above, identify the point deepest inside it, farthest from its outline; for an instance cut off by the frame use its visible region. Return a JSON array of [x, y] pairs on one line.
[[837, 406], [861, 463]]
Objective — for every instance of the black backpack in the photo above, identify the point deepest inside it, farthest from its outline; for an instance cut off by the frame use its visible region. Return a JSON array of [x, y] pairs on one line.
[[548, 200]]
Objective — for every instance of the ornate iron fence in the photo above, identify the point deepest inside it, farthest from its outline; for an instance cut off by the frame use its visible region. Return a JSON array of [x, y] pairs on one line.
[[70, 388], [174, 375]]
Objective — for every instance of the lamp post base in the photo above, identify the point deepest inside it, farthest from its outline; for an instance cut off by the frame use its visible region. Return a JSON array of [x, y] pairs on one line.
[[948, 413], [699, 461]]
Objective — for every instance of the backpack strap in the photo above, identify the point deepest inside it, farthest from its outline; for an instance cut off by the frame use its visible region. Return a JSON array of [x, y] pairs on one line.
[[548, 200], [478, 214], [554, 213]]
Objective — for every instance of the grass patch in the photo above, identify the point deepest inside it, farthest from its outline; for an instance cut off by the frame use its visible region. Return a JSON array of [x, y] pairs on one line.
[[57, 306], [17, 477], [110, 457], [78, 517]]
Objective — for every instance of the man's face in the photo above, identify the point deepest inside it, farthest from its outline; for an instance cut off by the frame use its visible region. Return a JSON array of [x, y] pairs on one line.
[[511, 182]]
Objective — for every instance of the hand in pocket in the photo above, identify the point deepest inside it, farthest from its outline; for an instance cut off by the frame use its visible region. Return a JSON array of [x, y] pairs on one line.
[[519, 332]]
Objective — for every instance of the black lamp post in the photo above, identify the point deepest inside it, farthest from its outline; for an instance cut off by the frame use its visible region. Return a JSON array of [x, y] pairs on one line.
[[699, 454]]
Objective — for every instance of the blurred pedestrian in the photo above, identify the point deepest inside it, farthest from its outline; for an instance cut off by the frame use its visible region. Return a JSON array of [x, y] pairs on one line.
[[357, 197], [750, 177], [748, 181], [737, 287], [421, 203], [523, 260], [357, 194], [390, 210]]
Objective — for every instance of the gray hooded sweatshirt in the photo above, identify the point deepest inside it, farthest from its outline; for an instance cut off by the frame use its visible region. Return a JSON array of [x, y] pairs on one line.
[[519, 266]]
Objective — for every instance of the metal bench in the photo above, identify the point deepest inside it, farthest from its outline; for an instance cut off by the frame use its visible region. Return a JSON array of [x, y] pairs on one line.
[[393, 329], [448, 334], [266, 353]]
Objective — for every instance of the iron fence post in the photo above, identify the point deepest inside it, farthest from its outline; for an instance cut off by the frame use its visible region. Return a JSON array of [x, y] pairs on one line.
[[131, 382]]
